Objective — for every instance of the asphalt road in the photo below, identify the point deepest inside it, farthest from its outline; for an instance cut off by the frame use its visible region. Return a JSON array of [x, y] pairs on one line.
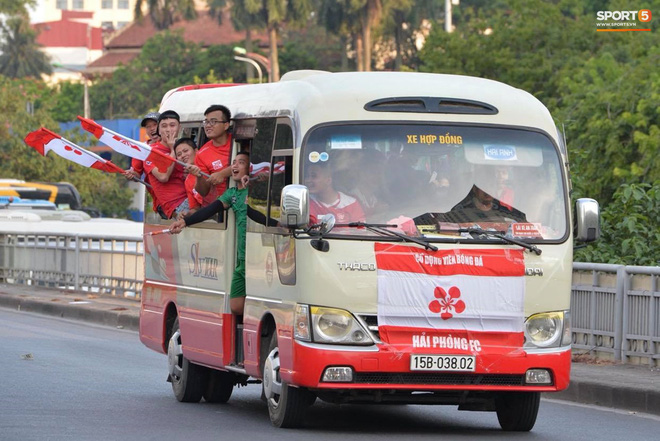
[[68, 380]]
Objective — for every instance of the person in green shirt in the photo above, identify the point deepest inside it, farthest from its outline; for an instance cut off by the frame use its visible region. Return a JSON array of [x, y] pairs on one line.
[[234, 198]]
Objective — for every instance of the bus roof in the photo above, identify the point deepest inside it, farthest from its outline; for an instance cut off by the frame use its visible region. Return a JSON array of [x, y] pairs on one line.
[[66, 222], [314, 97]]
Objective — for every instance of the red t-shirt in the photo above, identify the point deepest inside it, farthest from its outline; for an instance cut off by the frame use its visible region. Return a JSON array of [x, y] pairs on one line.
[[346, 209], [210, 159], [138, 167], [172, 193], [195, 199]]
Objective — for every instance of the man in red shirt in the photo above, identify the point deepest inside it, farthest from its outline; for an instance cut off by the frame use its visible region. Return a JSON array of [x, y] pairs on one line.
[[150, 124], [168, 186], [324, 199], [213, 157], [186, 150]]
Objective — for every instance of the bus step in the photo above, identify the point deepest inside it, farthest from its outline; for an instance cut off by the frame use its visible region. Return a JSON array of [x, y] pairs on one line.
[[239, 344]]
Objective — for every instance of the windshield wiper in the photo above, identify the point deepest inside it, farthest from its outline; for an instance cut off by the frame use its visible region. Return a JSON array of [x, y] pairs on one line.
[[384, 229], [499, 235]]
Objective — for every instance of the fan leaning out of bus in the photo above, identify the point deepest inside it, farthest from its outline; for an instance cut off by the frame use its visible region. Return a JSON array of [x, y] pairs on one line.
[[234, 198]]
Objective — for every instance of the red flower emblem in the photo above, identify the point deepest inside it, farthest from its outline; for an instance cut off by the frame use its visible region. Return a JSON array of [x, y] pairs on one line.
[[446, 303]]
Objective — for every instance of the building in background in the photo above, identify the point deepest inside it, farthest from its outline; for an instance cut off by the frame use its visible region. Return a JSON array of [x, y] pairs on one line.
[[205, 30], [71, 42], [106, 14]]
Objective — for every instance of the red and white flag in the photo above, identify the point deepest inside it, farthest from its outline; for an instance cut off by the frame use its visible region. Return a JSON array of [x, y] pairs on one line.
[[127, 146], [264, 168], [450, 292], [44, 141]]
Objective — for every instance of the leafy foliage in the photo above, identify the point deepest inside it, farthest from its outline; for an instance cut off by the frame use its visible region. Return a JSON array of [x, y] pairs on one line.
[[602, 87], [16, 7], [630, 228], [68, 101], [19, 53], [164, 13], [167, 61], [610, 113], [310, 48], [106, 192], [529, 44]]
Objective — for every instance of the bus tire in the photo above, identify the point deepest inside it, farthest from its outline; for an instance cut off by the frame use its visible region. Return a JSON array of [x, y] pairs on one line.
[[188, 379], [517, 411], [286, 404], [219, 387]]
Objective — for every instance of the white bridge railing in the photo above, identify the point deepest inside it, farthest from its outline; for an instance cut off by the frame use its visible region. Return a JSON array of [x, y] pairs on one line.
[[615, 308], [615, 312], [83, 262]]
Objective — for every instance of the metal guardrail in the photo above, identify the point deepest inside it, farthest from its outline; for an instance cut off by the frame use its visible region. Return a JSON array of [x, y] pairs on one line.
[[615, 312], [93, 263], [615, 308]]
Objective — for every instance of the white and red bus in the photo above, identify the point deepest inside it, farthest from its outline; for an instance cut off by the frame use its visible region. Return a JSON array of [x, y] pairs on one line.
[[443, 275]]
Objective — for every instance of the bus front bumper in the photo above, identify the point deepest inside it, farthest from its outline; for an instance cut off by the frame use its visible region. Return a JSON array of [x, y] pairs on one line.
[[383, 367]]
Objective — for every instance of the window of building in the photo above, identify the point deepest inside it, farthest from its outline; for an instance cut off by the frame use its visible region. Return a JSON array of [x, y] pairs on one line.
[[106, 25], [106, 4], [122, 4], [121, 24], [78, 4], [62, 4]]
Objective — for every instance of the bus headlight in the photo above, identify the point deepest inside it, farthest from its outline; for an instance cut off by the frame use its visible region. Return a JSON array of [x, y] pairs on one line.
[[545, 330], [332, 325]]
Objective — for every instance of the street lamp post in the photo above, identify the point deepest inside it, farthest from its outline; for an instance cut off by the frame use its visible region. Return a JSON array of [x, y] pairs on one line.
[[253, 63], [86, 108], [448, 19], [254, 59]]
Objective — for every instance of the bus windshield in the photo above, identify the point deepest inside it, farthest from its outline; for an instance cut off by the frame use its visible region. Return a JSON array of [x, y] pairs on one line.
[[436, 181]]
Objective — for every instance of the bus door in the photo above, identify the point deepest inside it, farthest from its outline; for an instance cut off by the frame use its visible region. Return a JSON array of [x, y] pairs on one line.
[[271, 252], [192, 270]]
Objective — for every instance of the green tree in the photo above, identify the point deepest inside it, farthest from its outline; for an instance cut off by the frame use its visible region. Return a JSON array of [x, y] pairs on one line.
[[242, 20], [220, 60], [356, 18], [164, 13], [609, 111], [19, 53], [603, 88], [337, 17], [277, 13], [107, 192], [68, 101], [16, 7], [630, 228], [530, 44], [167, 61], [402, 21]]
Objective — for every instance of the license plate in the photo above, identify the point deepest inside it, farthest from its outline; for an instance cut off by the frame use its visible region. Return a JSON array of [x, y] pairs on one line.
[[456, 363]]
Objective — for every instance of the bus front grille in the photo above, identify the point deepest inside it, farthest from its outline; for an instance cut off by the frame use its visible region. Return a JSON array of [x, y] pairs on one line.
[[438, 379]]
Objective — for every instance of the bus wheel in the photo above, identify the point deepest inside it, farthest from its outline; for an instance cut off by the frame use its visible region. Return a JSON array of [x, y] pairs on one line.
[[286, 404], [219, 387], [517, 411], [188, 379]]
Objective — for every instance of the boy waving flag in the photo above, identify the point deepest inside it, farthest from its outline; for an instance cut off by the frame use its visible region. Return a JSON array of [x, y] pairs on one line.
[[43, 141], [127, 146]]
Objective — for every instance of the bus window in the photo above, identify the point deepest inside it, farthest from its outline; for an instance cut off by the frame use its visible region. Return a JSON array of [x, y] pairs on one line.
[[281, 168], [260, 156]]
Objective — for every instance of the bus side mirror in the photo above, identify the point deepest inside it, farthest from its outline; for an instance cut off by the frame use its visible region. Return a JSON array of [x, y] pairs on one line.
[[294, 206], [587, 220]]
